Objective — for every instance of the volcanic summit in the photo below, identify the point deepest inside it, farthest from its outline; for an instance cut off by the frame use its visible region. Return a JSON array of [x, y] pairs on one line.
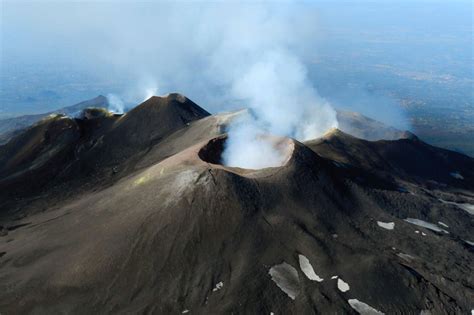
[[137, 213]]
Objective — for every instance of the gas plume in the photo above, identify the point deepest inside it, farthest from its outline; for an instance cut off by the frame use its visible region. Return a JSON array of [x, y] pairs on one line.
[[223, 55]]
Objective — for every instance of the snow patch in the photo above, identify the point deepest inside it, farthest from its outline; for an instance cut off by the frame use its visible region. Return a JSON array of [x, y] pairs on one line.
[[469, 242], [307, 269], [405, 256], [286, 278], [363, 308], [386, 225], [469, 208], [429, 226], [342, 286], [402, 189], [424, 234], [185, 311], [443, 224], [417, 232], [456, 175], [334, 277], [338, 164], [218, 286]]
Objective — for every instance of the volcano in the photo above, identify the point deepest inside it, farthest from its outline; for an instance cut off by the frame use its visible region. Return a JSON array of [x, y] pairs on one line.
[[137, 213]]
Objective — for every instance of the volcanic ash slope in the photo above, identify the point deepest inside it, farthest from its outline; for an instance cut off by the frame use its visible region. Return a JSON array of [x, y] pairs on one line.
[[184, 233]]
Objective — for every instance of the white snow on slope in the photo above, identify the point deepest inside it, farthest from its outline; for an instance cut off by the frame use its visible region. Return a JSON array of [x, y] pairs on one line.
[[386, 225], [362, 308], [456, 175], [307, 269], [286, 278], [405, 256], [469, 242], [443, 224], [218, 286], [469, 208], [342, 286], [429, 226]]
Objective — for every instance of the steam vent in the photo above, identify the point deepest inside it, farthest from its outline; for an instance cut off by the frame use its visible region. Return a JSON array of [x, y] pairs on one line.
[[213, 151], [141, 214]]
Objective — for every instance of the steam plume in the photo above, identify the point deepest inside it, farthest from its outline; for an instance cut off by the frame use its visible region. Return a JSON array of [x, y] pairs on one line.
[[221, 54], [246, 146], [278, 92], [116, 104], [149, 92]]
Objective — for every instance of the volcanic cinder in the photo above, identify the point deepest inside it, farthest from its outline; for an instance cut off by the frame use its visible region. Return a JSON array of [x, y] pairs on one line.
[[138, 213]]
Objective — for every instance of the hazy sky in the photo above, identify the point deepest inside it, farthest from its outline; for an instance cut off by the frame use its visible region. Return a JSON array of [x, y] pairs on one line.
[[202, 48]]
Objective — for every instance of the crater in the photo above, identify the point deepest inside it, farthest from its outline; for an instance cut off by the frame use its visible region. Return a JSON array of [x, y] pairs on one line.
[[281, 151]]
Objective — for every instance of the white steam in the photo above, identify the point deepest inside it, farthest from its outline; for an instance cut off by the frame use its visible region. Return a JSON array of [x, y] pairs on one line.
[[116, 104], [277, 90], [134, 94], [220, 54], [258, 55], [246, 146], [149, 92]]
